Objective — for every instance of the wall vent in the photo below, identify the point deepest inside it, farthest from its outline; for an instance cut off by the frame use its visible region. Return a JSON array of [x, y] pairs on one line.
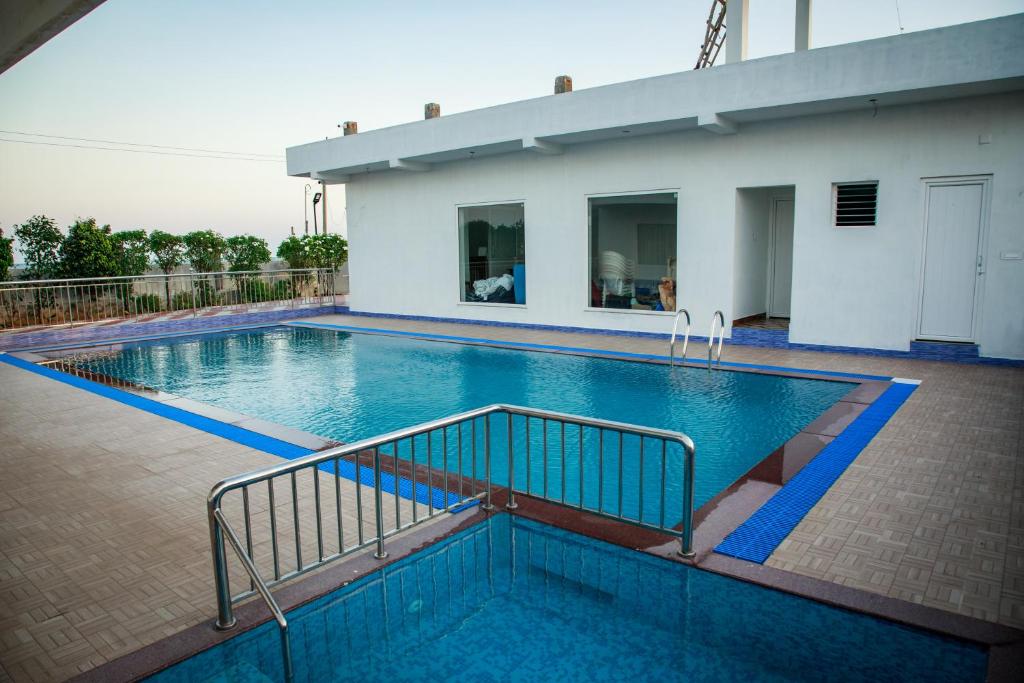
[[854, 205]]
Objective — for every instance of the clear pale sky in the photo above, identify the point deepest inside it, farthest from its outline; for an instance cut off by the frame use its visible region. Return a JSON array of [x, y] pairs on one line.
[[257, 76]]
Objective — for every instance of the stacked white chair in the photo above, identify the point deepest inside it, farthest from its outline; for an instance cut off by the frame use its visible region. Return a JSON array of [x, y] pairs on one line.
[[615, 272]]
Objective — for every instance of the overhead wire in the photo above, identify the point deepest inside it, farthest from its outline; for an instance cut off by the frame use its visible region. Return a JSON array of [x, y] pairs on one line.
[[141, 151], [139, 144]]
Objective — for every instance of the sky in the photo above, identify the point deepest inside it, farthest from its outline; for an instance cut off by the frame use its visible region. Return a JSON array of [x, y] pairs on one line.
[[257, 76]]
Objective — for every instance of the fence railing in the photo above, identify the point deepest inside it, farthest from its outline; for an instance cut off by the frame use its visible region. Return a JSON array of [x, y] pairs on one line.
[[638, 475], [71, 302]]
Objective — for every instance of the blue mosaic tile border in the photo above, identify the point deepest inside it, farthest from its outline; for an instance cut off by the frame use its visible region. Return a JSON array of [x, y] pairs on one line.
[[261, 442], [756, 539], [18, 341], [773, 339]]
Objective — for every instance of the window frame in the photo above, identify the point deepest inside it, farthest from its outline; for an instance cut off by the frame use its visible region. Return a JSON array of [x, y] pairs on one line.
[[460, 283], [588, 308]]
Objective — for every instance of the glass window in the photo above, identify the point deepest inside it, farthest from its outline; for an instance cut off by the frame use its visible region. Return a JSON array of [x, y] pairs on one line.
[[633, 252], [492, 250]]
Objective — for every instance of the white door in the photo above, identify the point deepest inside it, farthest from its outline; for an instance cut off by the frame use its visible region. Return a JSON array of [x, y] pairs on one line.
[[952, 260], [780, 264]]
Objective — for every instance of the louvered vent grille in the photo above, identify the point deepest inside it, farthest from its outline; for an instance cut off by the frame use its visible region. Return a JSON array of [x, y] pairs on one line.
[[855, 204]]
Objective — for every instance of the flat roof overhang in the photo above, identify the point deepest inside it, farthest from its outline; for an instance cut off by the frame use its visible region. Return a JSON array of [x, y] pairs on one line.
[[25, 25], [979, 58]]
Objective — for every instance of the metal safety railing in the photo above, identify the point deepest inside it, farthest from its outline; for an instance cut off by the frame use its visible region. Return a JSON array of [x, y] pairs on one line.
[[73, 302], [718, 318], [638, 475], [686, 337]]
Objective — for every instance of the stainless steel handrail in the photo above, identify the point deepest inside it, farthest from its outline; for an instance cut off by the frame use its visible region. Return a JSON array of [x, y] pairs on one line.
[[719, 318], [264, 591], [686, 337], [72, 302], [15, 284], [221, 529]]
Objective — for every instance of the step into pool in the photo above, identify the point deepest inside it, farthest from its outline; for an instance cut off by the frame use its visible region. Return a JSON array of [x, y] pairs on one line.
[[510, 599]]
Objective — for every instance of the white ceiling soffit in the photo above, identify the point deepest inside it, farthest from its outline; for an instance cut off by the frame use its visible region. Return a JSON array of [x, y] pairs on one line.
[[26, 24]]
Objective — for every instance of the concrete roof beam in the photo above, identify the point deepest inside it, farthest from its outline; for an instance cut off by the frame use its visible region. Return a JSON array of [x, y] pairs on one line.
[[716, 123], [542, 146]]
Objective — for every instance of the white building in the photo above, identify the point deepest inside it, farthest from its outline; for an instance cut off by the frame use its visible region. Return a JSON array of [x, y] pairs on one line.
[[873, 193]]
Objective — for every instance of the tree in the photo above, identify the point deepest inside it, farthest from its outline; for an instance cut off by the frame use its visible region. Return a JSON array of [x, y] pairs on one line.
[[314, 251], [6, 254], [203, 251], [169, 253], [39, 241], [168, 250], [246, 252], [88, 251], [327, 251], [295, 251], [131, 249]]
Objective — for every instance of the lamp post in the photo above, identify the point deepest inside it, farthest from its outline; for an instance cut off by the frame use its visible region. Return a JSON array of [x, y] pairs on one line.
[[305, 207], [316, 200]]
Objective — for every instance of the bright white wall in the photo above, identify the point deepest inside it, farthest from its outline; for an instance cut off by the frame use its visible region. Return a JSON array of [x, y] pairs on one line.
[[852, 287]]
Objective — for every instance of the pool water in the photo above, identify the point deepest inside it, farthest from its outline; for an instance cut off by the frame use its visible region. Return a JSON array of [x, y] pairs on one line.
[[346, 386], [514, 600]]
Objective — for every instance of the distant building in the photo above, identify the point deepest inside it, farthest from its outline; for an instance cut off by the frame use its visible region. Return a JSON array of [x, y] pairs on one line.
[[870, 193]]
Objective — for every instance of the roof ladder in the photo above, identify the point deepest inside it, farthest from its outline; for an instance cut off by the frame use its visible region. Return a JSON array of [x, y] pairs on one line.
[[714, 35]]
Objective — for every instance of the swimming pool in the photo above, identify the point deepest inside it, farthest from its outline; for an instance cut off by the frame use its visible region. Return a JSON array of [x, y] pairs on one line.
[[510, 599], [347, 386]]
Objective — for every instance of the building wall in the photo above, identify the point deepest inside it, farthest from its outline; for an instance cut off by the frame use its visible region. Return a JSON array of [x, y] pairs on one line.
[[851, 287]]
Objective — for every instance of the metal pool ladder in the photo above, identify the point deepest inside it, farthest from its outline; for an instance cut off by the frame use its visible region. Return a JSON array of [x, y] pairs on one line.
[[717, 318], [686, 337]]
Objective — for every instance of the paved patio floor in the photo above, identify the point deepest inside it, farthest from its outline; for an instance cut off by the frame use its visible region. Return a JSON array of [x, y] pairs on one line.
[[104, 546]]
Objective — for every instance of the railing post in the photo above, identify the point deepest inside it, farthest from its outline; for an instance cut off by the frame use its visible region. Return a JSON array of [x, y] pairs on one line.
[[378, 505], [71, 308], [286, 655], [511, 470], [487, 463], [686, 539], [192, 285], [225, 612]]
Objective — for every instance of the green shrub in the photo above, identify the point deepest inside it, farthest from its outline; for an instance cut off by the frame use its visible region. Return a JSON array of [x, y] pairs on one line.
[[282, 290], [204, 296], [252, 290], [146, 303]]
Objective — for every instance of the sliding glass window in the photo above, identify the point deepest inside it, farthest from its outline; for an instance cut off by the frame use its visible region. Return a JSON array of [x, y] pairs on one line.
[[633, 252], [492, 253]]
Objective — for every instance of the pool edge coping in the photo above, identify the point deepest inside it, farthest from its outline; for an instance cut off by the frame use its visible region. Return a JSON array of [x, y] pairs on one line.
[[965, 624]]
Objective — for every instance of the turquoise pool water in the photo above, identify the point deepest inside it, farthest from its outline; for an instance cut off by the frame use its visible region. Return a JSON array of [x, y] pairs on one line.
[[514, 600], [349, 386]]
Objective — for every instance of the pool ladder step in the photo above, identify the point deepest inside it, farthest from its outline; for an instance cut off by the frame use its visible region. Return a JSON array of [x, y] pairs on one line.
[[716, 355]]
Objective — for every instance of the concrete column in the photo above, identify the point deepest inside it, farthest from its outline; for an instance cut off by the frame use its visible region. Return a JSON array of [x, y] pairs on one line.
[[802, 40], [736, 24]]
